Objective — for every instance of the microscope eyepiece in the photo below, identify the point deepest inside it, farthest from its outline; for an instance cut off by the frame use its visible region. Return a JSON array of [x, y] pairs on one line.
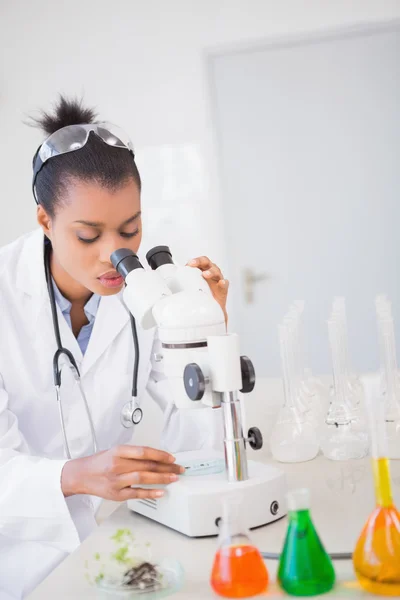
[[125, 261], [158, 256]]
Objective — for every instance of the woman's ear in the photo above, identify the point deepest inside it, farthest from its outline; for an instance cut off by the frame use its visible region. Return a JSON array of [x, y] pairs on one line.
[[44, 221]]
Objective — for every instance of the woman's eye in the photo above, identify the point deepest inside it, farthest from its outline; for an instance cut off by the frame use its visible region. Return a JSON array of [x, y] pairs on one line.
[[129, 235], [88, 240]]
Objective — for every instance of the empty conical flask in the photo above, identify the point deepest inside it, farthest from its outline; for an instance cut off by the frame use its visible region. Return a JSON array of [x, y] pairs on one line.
[[305, 568]]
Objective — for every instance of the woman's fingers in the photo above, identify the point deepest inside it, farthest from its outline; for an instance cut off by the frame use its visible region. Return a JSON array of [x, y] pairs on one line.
[[144, 453], [146, 478], [129, 493], [213, 274], [127, 480], [129, 459], [215, 279], [223, 285], [132, 466], [210, 270], [202, 262]]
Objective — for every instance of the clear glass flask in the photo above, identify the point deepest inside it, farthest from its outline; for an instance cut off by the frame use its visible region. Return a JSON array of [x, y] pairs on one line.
[[376, 557], [390, 379], [305, 568], [313, 396], [238, 570], [344, 435], [294, 437], [355, 390]]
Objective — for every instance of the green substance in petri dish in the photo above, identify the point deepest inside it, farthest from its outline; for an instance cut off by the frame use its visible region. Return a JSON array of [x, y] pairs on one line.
[[305, 569], [122, 555], [121, 535]]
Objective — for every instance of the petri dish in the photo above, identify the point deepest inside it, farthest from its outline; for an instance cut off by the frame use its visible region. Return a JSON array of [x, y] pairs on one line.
[[171, 581], [199, 467]]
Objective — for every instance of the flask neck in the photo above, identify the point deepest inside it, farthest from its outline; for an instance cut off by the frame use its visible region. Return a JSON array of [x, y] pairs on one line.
[[382, 483], [232, 522], [299, 516]]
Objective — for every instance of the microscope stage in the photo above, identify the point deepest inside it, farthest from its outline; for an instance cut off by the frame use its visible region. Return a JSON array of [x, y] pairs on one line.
[[193, 504]]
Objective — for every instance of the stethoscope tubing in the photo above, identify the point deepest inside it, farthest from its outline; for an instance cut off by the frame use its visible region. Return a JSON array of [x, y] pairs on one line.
[[64, 352]]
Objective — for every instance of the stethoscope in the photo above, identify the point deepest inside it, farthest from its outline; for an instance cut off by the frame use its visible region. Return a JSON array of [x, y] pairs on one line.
[[131, 414]]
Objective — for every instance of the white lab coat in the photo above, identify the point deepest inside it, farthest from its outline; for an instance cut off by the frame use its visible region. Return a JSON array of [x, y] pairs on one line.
[[38, 526]]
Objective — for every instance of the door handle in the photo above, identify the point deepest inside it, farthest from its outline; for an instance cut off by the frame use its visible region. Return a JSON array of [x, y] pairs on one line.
[[250, 279]]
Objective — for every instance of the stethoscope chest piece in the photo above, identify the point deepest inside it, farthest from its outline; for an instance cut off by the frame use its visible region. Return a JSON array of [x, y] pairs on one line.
[[137, 416], [131, 415]]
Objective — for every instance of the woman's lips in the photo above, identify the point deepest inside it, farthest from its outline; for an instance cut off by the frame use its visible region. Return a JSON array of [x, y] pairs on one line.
[[111, 280]]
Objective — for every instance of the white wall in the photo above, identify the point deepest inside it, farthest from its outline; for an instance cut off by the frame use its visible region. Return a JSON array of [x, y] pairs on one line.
[[142, 63], [318, 126]]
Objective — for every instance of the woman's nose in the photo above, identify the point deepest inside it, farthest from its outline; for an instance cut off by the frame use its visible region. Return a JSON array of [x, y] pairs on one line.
[[108, 247]]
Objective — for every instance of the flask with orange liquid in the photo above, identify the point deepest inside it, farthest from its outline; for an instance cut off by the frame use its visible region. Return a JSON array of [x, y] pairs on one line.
[[238, 570], [376, 557]]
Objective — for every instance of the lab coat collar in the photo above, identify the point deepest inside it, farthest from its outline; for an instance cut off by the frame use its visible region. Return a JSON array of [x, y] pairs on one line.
[[31, 277], [31, 280], [111, 316]]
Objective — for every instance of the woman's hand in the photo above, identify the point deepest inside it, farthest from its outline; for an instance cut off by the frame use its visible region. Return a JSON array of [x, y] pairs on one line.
[[212, 274], [111, 473]]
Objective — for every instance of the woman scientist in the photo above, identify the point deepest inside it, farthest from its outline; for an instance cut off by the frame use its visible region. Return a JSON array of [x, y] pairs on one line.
[[58, 289]]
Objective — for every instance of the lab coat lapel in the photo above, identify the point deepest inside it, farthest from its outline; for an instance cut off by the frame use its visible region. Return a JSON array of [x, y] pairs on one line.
[[31, 279], [30, 274], [110, 319], [44, 325]]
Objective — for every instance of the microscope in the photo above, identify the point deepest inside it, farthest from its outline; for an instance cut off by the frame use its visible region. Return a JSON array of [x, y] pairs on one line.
[[202, 366]]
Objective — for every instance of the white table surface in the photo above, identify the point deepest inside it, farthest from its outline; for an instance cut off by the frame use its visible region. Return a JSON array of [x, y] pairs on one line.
[[342, 499]]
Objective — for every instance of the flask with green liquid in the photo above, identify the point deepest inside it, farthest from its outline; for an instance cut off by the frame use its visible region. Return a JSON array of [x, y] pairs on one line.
[[305, 568]]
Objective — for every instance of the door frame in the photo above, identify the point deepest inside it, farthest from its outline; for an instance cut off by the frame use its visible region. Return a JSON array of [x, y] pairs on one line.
[[271, 42]]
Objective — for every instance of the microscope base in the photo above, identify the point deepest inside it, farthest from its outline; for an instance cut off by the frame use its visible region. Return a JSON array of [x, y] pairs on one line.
[[193, 505]]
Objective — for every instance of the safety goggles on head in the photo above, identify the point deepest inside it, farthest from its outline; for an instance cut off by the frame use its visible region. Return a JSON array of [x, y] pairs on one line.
[[74, 137]]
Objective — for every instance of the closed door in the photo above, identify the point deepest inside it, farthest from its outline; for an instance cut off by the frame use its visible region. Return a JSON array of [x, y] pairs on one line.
[[309, 147]]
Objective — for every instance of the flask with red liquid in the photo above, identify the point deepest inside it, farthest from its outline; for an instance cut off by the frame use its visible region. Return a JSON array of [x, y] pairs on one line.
[[238, 570]]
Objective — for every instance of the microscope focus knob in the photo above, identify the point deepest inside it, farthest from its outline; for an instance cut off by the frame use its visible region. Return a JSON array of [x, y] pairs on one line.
[[194, 380], [255, 438], [248, 375]]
